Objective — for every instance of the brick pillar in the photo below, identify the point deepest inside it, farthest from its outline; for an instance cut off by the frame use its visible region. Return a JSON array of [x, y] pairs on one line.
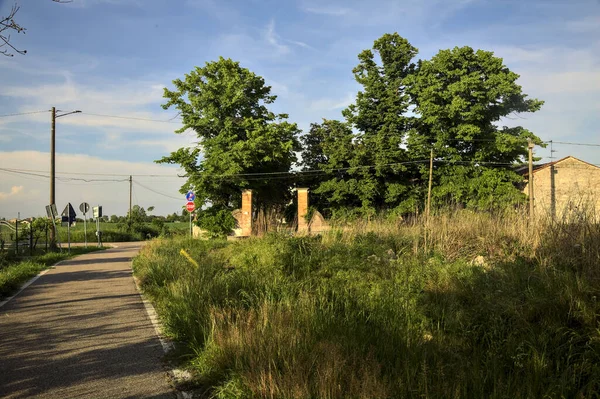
[[246, 219], [302, 209]]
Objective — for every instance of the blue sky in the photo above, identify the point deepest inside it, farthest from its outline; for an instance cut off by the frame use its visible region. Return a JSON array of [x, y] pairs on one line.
[[113, 57]]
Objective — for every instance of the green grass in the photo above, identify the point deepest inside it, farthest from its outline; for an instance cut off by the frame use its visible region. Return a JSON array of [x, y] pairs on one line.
[[488, 310], [113, 232], [14, 271]]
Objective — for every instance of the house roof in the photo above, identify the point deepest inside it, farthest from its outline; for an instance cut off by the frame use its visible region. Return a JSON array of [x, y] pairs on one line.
[[525, 169]]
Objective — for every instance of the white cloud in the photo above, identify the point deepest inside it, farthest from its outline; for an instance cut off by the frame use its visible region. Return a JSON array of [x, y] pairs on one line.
[[332, 104], [102, 105], [587, 24], [563, 83], [32, 191], [14, 190], [273, 39], [300, 44], [331, 11]]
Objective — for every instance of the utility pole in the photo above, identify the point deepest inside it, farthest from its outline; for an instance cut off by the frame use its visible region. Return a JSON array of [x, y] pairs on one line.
[[429, 189], [53, 165], [530, 146], [52, 170], [130, 192]]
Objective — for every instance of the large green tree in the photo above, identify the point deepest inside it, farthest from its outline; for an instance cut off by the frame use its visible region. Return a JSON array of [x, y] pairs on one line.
[[379, 119], [460, 96], [451, 104], [240, 141]]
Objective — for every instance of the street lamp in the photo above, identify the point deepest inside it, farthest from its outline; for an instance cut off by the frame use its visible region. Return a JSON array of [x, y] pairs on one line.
[[53, 164]]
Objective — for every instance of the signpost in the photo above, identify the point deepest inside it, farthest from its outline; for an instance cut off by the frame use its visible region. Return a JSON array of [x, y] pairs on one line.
[[68, 216], [190, 196], [190, 206], [97, 212], [84, 207], [52, 214]]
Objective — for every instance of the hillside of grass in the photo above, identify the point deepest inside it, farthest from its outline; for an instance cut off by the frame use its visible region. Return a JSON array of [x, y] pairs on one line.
[[475, 306]]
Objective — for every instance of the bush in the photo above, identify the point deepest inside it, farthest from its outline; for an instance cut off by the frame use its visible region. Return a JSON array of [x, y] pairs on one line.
[[217, 222]]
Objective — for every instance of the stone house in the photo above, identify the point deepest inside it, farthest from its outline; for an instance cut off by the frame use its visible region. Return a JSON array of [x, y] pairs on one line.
[[565, 186]]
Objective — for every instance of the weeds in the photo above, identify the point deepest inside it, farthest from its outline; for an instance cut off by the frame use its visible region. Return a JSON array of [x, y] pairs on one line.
[[489, 310]]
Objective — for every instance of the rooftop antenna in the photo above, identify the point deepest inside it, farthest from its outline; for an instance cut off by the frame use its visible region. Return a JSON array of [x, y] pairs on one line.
[[552, 151]]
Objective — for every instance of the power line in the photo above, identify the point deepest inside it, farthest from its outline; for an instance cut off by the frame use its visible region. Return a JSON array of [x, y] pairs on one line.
[[131, 118], [157, 192], [64, 179], [23, 113], [567, 143], [93, 174]]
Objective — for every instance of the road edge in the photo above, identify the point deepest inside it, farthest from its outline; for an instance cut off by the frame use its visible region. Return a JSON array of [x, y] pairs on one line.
[[166, 344], [29, 282]]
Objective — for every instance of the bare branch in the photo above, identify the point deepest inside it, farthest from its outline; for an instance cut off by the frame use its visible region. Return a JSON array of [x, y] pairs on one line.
[[9, 24]]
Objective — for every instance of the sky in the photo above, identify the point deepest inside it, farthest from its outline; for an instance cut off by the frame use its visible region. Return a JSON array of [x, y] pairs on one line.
[[114, 57]]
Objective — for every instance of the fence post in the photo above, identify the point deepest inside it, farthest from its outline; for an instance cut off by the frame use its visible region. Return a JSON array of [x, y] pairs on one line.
[[30, 239], [17, 236]]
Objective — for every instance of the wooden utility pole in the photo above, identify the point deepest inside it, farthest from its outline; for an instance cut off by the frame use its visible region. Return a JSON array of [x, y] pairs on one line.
[[429, 189], [530, 146], [428, 206], [52, 169], [53, 164], [130, 192]]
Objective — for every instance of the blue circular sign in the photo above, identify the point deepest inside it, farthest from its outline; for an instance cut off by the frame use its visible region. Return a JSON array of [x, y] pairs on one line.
[[190, 196]]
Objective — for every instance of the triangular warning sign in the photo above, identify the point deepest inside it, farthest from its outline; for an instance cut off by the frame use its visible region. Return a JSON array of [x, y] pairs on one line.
[[69, 211]]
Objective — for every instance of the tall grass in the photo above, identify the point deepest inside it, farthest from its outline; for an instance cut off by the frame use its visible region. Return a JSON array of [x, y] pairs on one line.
[[475, 305]]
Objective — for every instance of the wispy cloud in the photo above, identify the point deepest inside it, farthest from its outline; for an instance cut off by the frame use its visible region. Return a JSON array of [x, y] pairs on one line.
[[584, 25], [327, 10], [332, 104], [99, 101], [300, 44], [274, 40], [14, 190]]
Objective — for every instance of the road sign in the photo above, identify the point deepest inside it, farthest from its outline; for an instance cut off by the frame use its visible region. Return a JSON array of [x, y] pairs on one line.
[[84, 207], [54, 210], [190, 206], [190, 196], [69, 212], [97, 211], [49, 212]]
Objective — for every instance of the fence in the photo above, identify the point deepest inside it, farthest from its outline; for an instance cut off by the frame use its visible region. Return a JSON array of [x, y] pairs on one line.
[[19, 237]]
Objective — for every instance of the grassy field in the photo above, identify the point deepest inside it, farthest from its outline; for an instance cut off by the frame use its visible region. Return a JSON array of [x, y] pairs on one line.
[[111, 232], [477, 306], [14, 271]]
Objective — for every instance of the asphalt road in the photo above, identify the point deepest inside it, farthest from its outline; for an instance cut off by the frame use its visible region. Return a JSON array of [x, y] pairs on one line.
[[81, 331]]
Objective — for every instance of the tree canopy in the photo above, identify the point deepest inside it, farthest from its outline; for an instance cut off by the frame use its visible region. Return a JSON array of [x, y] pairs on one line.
[[451, 104], [240, 141], [377, 157]]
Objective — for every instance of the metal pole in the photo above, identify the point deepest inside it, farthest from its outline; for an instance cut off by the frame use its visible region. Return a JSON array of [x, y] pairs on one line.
[[69, 226], [429, 189], [31, 239], [52, 171], [191, 233], [85, 229], [46, 246], [17, 236], [530, 183], [130, 192]]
